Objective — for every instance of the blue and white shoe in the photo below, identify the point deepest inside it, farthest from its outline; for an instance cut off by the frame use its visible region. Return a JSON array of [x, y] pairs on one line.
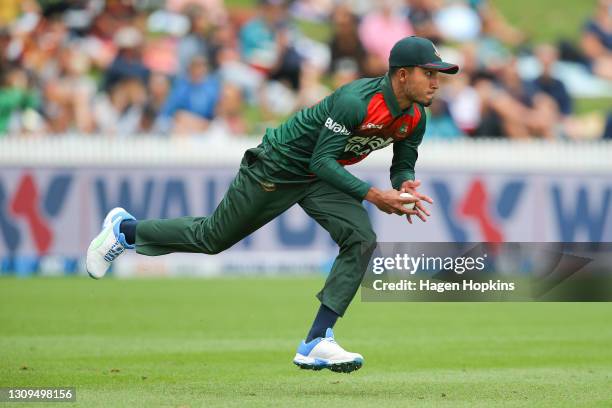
[[109, 244], [324, 352]]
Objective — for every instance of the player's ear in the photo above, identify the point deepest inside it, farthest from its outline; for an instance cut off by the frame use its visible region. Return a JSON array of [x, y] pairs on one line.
[[399, 73], [404, 73]]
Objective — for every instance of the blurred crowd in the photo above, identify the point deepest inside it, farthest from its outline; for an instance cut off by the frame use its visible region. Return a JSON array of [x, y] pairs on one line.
[[195, 67]]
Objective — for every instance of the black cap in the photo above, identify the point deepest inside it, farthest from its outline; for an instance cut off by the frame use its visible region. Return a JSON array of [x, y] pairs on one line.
[[419, 52]]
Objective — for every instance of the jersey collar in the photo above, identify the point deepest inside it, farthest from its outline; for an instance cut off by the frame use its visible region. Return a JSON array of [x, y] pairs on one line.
[[391, 100]]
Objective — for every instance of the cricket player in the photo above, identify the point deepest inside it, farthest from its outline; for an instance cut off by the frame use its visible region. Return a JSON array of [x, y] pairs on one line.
[[303, 162]]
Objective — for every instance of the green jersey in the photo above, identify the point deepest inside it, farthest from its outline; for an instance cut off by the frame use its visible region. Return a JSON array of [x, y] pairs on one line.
[[13, 100], [343, 129]]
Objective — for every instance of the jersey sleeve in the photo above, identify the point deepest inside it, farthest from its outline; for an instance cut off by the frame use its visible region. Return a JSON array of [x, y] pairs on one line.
[[405, 154], [346, 114]]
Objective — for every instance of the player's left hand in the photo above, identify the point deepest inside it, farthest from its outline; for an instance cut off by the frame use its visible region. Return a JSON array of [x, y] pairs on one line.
[[410, 186]]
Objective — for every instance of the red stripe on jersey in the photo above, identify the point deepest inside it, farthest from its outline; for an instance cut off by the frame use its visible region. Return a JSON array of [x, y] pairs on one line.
[[378, 113], [378, 120]]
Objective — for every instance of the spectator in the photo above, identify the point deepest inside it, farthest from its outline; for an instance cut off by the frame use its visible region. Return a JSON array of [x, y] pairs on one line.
[[607, 133], [267, 67], [214, 8], [119, 112], [312, 10], [520, 114], [128, 61], [547, 83], [464, 103], [195, 42], [440, 124], [267, 43], [311, 88], [39, 45], [17, 102], [69, 97], [345, 43], [229, 120], [221, 38], [158, 89], [233, 71], [345, 71], [597, 40], [99, 41], [378, 32], [421, 16], [495, 25], [490, 124], [458, 22], [191, 104]]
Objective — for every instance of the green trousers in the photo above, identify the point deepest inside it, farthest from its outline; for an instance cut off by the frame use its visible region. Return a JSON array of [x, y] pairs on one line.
[[250, 203]]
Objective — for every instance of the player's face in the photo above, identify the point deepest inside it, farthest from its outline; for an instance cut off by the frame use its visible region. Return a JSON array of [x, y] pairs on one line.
[[420, 85]]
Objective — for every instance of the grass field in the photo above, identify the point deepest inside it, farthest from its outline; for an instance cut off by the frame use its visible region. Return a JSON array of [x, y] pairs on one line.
[[229, 342]]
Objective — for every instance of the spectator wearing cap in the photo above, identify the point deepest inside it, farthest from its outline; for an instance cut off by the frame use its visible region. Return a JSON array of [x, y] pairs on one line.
[[128, 61], [192, 101], [267, 43]]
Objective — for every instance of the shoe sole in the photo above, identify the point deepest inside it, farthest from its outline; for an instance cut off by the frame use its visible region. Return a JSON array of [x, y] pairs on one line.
[[344, 367]]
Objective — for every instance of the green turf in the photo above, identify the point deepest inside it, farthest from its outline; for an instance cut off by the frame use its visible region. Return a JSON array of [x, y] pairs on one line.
[[586, 105], [547, 20], [229, 342]]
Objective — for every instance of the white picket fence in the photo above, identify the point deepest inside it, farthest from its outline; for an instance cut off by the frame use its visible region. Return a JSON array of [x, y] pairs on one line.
[[142, 151]]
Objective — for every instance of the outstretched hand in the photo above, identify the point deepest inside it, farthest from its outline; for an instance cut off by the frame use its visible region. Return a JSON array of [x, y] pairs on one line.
[[410, 186], [390, 201]]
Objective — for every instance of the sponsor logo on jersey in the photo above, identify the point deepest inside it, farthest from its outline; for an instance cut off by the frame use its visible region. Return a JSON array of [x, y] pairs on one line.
[[360, 145], [372, 126], [336, 127]]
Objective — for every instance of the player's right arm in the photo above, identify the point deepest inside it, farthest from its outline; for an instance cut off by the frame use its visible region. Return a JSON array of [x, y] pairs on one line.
[[346, 114]]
